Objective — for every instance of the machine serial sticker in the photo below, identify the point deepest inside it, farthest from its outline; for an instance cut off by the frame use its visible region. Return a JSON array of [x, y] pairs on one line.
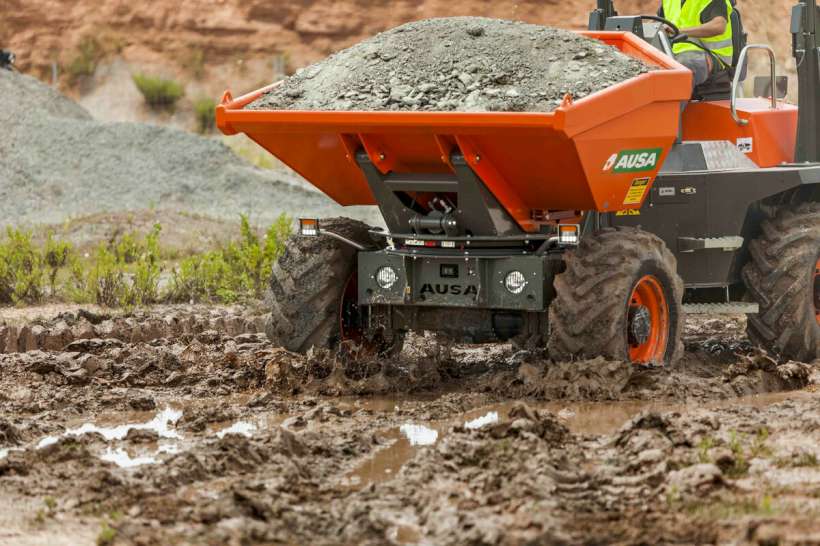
[[633, 161], [635, 194], [668, 191], [628, 212], [689, 190], [745, 144]]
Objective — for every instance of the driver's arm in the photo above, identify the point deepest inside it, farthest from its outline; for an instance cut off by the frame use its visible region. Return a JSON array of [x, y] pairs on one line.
[[714, 27]]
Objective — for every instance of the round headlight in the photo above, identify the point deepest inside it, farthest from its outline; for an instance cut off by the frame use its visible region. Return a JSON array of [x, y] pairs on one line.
[[386, 277], [515, 282]]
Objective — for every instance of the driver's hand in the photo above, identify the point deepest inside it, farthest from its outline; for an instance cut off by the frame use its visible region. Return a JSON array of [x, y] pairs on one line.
[[669, 31]]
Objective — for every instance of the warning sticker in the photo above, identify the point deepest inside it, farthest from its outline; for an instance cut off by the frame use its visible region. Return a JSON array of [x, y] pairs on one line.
[[635, 194], [628, 212], [745, 144]]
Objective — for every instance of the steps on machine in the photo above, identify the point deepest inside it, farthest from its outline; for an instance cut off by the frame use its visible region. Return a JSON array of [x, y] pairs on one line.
[[691, 244], [731, 308]]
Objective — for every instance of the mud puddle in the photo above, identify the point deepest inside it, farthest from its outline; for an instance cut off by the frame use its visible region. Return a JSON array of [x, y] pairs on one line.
[[403, 442], [137, 438]]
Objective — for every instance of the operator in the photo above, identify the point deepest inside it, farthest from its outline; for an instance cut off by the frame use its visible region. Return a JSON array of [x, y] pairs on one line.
[[708, 50]]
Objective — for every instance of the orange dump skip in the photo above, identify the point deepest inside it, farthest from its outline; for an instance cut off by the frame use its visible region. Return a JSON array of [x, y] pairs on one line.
[[601, 152]]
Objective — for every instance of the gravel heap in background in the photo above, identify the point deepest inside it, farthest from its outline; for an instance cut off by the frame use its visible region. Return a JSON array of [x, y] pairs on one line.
[[458, 63], [57, 162]]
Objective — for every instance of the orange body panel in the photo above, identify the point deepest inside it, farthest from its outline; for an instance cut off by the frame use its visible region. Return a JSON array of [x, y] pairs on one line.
[[773, 133], [530, 161]]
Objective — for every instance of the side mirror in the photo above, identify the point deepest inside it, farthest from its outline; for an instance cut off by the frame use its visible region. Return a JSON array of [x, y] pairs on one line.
[[763, 86]]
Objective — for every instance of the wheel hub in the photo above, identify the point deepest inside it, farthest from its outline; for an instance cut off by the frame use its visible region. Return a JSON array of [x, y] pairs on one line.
[[648, 319], [639, 325]]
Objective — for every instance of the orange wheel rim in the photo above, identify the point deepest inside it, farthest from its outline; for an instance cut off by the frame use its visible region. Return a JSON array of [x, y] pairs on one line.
[[816, 291], [648, 321]]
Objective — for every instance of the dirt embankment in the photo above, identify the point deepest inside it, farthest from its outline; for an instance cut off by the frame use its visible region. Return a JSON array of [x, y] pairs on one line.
[[211, 436], [236, 41]]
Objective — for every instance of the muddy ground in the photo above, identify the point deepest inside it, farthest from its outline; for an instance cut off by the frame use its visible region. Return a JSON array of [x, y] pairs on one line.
[[184, 426]]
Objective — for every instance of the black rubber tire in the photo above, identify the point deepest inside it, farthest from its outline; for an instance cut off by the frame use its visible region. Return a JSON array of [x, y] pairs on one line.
[[588, 317], [780, 278], [307, 285]]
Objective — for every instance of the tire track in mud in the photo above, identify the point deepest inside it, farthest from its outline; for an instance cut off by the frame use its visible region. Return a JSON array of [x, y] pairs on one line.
[[257, 451]]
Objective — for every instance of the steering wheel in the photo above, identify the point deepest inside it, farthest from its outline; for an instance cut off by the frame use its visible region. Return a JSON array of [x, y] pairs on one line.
[[676, 34]]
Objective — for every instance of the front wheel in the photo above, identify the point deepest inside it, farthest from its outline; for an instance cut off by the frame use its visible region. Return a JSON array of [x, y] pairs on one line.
[[619, 297], [314, 297]]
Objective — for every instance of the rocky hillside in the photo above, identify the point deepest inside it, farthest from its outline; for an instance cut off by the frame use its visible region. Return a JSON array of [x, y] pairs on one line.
[[243, 43]]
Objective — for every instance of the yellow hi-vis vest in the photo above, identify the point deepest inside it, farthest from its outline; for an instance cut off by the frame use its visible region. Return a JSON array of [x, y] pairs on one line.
[[688, 16]]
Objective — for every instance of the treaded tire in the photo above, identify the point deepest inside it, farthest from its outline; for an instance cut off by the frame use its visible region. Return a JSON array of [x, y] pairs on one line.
[[589, 314], [780, 278], [307, 284]]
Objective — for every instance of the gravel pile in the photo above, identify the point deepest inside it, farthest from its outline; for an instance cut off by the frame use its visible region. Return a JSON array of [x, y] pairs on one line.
[[57, 162], [456, 64]]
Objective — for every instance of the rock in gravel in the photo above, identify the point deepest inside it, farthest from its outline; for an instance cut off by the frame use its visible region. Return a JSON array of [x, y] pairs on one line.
[[456, 64], [142, 403], [57, 162]]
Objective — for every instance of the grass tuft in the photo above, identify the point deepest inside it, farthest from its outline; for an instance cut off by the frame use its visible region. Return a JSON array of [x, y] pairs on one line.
[[205, 112], [88, 54], [159, 93], [107, 535]]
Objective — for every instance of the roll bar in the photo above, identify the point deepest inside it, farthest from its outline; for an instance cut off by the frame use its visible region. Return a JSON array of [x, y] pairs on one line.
[[741, 61]]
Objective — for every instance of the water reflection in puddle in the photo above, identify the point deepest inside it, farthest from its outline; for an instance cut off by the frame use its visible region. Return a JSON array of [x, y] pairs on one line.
[[419, 435], [487, 419], [593, 418], [161, 424], [123, 459], [244, 428]]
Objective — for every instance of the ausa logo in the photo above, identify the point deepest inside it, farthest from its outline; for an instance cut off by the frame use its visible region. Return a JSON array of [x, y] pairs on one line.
[[452, 289], [633, 161]]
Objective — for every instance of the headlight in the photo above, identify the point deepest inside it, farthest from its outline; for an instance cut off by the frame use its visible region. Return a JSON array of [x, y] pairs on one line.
[[386, 277], [515, 282]]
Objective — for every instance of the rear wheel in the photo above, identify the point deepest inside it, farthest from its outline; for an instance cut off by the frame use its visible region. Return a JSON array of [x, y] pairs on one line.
[[314, 294], [783, 277], [620, 297]]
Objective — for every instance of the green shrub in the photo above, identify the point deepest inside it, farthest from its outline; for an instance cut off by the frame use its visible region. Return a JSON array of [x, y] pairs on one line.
[[159, 93], [98, 280], [107, 535], [22, 269], [122, 273], [195, 64], [202, 277], [239, 270], [205, 112], [84, 63], [126, 271], [144, 286], [57, 255]]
